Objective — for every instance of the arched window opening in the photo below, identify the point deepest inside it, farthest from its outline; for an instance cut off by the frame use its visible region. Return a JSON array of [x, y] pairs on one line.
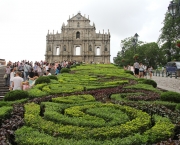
[[57, 50], [78, 24], [90, 48], [78, 35], [98, 51], [77, 50], [64, 47]]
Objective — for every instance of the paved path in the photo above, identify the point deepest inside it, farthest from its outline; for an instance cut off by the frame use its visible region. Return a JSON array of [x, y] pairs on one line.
[[167, 83]]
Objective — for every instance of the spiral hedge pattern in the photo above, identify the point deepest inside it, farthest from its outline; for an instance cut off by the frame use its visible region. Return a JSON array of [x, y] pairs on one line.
[[81, 120]]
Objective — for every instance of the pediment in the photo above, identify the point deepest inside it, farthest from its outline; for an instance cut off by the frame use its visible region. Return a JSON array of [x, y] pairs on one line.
[[78, 16]]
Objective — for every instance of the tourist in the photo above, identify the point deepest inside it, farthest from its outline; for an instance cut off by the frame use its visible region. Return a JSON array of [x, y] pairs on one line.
[[12, 74], [136, 69], [7, 78], [26, 86], [48, 73], [47, 67], [21, 67], [31, 73], [27, 68], [17, 81], [141, 70], [52, 70], [145, 70], [33, 79], [150, 70], [39, 70]]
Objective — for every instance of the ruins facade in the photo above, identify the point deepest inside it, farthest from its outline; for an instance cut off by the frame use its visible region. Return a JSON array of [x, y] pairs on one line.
[[78, 41]]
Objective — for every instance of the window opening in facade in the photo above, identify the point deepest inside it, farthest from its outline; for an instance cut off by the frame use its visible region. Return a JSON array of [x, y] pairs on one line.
[[77, 50], [57, 50], [98, 51], [78, 35]]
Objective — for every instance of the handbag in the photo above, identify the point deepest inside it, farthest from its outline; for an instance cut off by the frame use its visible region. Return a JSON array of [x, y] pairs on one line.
[[5, 76]]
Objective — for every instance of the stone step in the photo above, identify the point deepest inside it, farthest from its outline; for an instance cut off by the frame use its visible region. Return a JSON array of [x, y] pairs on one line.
[[3, 94], [2, 87], [1, 98]]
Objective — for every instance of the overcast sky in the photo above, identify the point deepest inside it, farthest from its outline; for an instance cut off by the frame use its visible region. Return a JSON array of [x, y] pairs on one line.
[[25, 23]]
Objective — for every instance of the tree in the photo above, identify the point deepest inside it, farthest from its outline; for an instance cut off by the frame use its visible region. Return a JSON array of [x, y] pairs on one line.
[[170, 33], [148, 53]]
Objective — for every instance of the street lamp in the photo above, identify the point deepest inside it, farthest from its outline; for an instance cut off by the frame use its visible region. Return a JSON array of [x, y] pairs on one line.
[[134, 41], [174, 8]]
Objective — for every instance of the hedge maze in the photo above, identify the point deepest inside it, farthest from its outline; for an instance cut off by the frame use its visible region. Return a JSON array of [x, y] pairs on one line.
[[65, 110]]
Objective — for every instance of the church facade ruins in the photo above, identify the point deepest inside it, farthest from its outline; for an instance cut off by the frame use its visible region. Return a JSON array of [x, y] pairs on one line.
[[78, 41]]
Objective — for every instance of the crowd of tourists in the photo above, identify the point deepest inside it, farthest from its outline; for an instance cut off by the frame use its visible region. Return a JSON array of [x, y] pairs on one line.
[[140, 70], [22, 75]]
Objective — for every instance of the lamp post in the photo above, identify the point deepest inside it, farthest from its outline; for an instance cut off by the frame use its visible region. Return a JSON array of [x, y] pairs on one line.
[[134, 42], [174, 8]]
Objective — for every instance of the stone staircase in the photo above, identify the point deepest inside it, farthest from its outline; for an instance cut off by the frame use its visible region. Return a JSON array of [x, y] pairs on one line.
[[3, 90]]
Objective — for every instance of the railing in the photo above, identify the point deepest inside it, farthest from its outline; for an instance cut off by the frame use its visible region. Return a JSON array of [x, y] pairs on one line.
[[163, 73]]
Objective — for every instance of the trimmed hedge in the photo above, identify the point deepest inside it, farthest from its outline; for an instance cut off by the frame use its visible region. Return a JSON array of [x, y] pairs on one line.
[[27, 135], [170, 96], [5, 112], [129, 72], [147, 81], [10, 103], [73, 66], [65, 70], [36, 93], [42, 79], [16, 95], [53, 77], [178, 107], [33, 119]]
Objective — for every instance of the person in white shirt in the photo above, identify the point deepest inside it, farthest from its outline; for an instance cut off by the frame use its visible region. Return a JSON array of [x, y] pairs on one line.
[[48, 73], [17, 81], [11, 78]]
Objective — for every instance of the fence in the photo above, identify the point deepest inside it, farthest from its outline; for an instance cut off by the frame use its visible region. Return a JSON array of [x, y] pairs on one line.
[[163, 73]]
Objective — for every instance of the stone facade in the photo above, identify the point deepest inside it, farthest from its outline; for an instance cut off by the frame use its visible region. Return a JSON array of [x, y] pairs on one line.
[[78, 41]]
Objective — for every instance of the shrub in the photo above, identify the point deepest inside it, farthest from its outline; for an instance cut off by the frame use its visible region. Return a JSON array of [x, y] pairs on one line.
[[65, 70], [73, 66], [36, 93], [5, 112], [42, 79], [170, 96], [162, 130], [53, 77], [169, 105], [129, 72], [16, 95], [178, 107], [149, 82]]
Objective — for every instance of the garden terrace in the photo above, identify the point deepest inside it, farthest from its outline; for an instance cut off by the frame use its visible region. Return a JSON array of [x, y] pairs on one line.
[[96, 104]]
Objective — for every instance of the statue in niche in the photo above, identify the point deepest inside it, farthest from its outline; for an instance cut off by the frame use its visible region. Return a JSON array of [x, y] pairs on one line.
[[78, 24], [49, 49], [105, 49], [90, 48], [64, 47]]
